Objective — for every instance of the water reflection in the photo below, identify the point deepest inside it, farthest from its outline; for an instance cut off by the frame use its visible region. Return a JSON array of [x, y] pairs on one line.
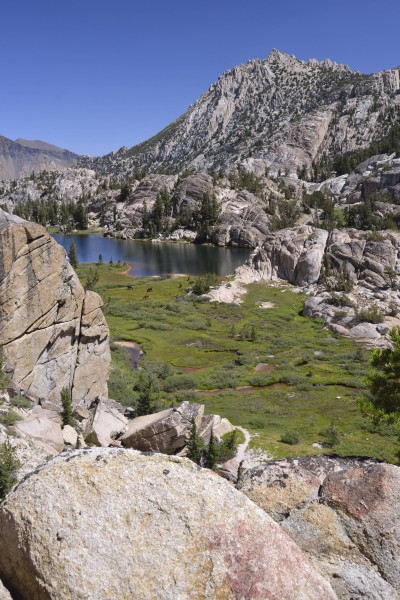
[[148, 258]]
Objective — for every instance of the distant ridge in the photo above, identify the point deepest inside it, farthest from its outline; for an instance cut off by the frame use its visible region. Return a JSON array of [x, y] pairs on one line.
[[22, 157]]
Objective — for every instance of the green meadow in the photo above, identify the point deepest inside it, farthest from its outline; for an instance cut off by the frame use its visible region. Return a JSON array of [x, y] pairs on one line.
[[270, 370]]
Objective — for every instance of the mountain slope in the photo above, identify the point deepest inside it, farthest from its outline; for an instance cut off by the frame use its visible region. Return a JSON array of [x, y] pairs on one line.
[[20, 158], [281, 113]]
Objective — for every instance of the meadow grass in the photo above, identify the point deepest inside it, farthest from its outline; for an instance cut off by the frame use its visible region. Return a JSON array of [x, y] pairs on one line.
[[310, 376]]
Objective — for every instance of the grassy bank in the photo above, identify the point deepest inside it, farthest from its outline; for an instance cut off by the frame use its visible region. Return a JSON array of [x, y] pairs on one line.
[[267, 369]]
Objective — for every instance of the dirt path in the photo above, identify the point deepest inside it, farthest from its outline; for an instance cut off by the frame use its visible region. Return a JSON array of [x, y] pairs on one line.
[[241, 449]]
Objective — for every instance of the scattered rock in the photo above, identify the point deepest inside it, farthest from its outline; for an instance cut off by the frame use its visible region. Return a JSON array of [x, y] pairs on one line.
[[70, 435]]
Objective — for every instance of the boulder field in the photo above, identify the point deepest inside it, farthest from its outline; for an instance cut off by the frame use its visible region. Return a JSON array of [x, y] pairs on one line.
[[52, 331]]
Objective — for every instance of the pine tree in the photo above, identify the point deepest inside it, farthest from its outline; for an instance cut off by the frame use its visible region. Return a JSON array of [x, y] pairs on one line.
[[148, 389], [67, 411], [9, 464], [73, 255], [211, 453], [91, 279], [194, 445], [384, 378]]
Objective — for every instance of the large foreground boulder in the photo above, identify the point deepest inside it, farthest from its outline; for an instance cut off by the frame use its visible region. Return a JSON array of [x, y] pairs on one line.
[[53, 333], [342, 513], [113, 523]]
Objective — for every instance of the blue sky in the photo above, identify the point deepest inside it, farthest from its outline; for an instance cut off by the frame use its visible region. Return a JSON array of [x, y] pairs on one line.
[[92, 76]]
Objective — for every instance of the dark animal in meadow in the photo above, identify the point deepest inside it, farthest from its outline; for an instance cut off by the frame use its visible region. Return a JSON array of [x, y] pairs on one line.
[[149, 289], [145, 297]]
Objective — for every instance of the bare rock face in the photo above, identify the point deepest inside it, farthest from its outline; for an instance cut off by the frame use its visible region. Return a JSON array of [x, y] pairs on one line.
[[243, 222], [118, 524], [341, 513], [165, 431], [53, 333], [43, 426], [295, 254], [189, 193]]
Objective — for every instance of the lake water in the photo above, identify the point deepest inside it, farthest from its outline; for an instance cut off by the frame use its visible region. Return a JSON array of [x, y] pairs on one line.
[[147, 258]]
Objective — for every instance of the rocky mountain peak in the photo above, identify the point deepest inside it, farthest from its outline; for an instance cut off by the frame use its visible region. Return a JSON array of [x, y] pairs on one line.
[[281, 112]]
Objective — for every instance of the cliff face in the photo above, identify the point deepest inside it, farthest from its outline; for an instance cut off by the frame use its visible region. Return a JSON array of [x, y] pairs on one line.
[[281, 113], [53, 333]]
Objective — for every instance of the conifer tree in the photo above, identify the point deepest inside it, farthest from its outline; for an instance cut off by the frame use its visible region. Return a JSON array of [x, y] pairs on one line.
[[67, 411], [73, 255], [148, 389], [194, 445], [211, 453], [8, 467]]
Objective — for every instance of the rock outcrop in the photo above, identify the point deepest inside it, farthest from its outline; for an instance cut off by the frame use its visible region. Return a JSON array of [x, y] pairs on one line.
[[351, 277], [53, 333], [341, 512], [118, 524]]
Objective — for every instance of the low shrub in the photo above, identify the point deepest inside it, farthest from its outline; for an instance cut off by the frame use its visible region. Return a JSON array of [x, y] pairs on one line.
[[203, 283], [331, 435], [290, 437], [179, 382], [20, 402], [370, 315], [9, 418]]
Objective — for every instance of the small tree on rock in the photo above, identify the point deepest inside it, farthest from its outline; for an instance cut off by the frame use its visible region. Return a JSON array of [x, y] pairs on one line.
[[68, 410], [9, 464]]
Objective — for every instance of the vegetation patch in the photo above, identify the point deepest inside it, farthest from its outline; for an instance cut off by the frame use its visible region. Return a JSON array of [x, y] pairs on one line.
[[316, 377]]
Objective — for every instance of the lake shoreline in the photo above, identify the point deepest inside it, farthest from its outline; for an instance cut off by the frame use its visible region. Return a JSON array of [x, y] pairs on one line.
[[148, 259]]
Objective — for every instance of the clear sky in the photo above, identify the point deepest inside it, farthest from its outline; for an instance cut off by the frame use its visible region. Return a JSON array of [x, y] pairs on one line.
[[92, 76]]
